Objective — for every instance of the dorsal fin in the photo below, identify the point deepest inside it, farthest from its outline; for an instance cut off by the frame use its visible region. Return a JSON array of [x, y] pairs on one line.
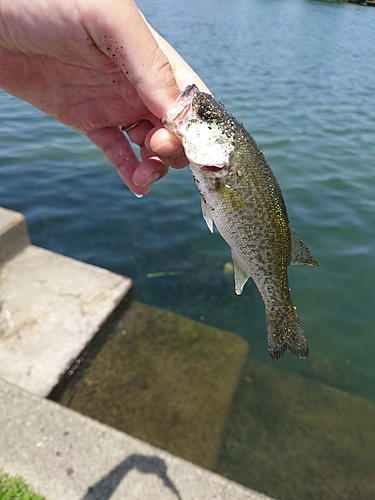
[[300, 254]]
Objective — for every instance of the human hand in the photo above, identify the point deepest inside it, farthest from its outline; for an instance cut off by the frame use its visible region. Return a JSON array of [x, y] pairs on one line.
[[96, 66]]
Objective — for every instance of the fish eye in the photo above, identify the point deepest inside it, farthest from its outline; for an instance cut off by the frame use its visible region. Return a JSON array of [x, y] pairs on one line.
[[205, 112]]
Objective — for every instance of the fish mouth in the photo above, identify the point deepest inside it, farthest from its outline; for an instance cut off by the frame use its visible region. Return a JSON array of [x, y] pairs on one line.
[[212, 168], [181, 111], [189, 92]]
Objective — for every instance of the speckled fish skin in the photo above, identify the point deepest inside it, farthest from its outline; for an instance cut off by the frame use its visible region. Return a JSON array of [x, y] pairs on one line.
[[241, 195]]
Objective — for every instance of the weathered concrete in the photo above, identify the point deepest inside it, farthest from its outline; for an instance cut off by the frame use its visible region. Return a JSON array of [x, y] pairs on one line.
[[14, 236], [66, 456], [165, 379], [51, 307]]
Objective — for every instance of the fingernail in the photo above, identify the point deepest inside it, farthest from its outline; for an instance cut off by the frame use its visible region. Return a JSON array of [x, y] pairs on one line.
[[154, 177], [179, 151], [147, 144]]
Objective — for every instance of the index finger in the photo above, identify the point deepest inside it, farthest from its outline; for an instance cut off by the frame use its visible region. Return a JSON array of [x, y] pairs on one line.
[[164, 143]]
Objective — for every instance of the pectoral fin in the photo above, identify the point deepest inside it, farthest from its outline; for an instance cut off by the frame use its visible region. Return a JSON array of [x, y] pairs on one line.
[[240, 275], [301, 255], [207, 216]]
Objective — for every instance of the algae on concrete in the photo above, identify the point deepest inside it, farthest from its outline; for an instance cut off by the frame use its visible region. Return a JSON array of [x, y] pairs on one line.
[[297, 439], [165, 379]]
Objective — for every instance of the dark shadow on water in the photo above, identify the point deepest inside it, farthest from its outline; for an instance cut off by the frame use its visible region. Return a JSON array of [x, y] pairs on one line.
[[105, 488]]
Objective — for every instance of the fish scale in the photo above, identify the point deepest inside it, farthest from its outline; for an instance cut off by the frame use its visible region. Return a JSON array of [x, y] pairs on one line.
[[242, 197]]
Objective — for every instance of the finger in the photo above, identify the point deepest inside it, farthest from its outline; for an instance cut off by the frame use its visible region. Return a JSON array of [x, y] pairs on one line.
[[167, 146], [150, 170], [138, 133], [174, 162], [170, 161], [119, 152], [164, 143]]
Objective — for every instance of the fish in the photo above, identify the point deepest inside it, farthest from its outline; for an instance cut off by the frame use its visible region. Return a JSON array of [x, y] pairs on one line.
[[242, 198]]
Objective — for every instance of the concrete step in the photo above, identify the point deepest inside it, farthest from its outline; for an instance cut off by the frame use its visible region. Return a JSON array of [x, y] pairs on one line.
[[66, 456], [163, 378], [14, 236], [51, 307], [295, 438]]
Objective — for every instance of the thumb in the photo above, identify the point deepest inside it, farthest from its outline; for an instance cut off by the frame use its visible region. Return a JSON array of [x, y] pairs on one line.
[[124, 36]]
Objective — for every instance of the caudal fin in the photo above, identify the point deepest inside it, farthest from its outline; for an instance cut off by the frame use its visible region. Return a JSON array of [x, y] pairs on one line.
[[285, 334]]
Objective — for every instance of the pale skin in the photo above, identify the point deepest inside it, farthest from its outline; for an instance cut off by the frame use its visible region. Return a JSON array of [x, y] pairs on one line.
[[97, 66]]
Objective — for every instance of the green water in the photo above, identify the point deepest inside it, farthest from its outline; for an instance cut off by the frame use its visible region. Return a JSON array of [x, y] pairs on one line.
[[299, 74]]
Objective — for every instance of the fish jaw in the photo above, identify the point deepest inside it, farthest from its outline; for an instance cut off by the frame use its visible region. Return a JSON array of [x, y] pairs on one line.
[[204, 143], [215, 153], [181, 112]]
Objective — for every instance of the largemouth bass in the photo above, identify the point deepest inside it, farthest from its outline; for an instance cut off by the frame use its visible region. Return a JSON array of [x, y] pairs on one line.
[[241, 195]]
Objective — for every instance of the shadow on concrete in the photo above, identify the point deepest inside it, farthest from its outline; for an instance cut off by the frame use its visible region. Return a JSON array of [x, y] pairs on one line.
[[105, 488]]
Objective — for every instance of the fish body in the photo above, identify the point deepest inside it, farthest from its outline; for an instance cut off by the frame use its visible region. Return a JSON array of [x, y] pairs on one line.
[[241, 196]]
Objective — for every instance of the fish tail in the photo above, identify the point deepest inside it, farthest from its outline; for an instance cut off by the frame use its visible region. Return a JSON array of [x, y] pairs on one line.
[[285, 333]]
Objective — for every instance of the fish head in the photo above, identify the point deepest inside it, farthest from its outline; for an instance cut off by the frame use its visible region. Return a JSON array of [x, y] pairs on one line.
[[181, 112], [205, 127]]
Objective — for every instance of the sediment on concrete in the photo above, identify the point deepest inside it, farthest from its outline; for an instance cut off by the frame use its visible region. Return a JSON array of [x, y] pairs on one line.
[[295, 438], [163, 378]]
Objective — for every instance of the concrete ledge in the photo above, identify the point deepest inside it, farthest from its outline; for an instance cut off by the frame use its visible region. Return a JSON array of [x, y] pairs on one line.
[[64, 455], [50, 309], [14, 236], [52, 306]]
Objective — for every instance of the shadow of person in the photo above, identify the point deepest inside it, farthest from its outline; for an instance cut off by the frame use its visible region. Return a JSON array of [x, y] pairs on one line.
[[104, 489]]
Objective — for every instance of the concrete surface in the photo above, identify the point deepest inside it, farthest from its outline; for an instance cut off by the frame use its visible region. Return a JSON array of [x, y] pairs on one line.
[[165, 379], [14, 236], [66, 456], [51, 307]]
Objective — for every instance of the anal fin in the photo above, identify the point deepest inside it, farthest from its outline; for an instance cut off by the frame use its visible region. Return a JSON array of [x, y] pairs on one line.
[[240, 275]]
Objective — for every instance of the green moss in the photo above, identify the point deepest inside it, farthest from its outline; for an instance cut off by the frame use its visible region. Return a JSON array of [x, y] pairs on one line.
[[13, 488], [297, 439], [165, 379]]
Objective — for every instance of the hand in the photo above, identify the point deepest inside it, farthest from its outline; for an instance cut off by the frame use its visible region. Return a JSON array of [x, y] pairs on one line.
[[96, 66]]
